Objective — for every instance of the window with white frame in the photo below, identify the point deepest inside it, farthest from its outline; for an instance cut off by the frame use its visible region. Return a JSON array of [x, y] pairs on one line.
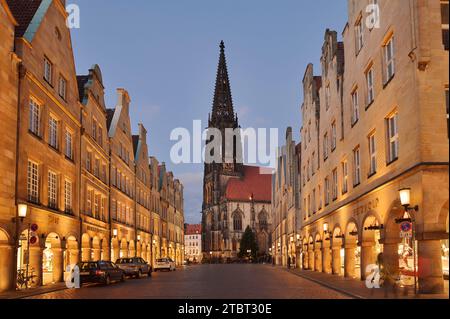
[[89, 194], [52, 190], [344, 177], [335, 184], [327, 191], [370, 86], [445, 23], [48, 70], [359, 35], [355, 106], [94, 129], [314, 201], [356, 166], [68, 196], [34, 117], [89, 161], [62, 87], [447, 101], [97, 200], [69, 145], [325, 146], [97, 167], [319, 194], [389, 57], [33, 182], [333, 136], [53, 132], [309, 205], [327, 97], [372, 154], [392, 128], [100, 136]]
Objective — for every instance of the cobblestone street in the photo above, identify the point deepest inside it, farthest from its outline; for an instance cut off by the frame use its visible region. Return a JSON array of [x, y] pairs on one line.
[[207, 282]]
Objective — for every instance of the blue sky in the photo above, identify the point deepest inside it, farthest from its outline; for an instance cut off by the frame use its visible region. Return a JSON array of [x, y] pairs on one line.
[[165, 53]]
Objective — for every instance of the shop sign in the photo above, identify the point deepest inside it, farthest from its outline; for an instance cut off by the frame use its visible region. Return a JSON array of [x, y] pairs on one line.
[[366, 207]]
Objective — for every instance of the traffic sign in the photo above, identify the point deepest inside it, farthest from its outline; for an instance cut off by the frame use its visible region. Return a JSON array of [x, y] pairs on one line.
[[406, 227], [34, 227]]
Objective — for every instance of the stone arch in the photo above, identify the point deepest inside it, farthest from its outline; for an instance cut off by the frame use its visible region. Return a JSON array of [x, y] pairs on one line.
[[86, 247], [52, 260], [318, 264], [123, 248], [391, 229], [115, 249], [4, 237], [96, 249], [371, 219], [352, 257], [443, 216]]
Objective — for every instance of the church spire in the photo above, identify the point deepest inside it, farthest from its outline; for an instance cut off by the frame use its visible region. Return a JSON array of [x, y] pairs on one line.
[[223, 111]]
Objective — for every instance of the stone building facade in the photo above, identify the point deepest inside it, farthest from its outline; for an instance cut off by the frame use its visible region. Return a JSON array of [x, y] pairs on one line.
[[9, 63], [235, 195], [193, 243], [286, 204], [87, 185], [375, 122]]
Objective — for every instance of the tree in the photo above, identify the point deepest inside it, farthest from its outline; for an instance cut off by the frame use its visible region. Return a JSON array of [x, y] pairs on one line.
[[249, 245]]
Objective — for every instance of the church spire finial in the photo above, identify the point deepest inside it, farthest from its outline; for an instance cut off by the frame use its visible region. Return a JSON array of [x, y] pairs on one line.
[[223, 110]]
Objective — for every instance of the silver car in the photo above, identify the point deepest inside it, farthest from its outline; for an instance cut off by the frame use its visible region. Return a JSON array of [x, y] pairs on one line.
[[165, 264], [135, 266]]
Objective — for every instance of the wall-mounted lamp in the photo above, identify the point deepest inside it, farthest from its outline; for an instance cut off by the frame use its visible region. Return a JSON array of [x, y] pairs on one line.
[[22, 211], [115, 232], [138, 237]]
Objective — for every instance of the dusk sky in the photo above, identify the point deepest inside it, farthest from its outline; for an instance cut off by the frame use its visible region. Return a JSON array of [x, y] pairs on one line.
[[165, 53]]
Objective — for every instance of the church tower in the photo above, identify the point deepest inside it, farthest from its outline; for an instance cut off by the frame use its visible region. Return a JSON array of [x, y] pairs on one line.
[[222, 117]]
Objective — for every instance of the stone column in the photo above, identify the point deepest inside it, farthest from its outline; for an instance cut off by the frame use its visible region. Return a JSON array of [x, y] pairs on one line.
[[85, 254], [311, 260], [35, 264], [390, 261], [326, 258], [349, 261], [367, 257], [73, 256], [116, 252], [58, 264], [431, 280], [106, 253], [7, 267], [336, 263], [318, 260], [96, 253]]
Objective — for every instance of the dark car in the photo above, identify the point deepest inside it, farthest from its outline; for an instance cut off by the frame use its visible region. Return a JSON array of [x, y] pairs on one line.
[[135, 266], [103, 272]]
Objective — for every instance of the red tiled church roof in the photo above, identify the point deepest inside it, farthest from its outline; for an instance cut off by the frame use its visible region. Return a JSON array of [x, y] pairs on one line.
[[193, 229], [253, 183]]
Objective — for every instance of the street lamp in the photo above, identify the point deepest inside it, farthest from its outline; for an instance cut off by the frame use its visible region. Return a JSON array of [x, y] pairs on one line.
[[408, 217], [138, 237], [115, 232], [22, 210]]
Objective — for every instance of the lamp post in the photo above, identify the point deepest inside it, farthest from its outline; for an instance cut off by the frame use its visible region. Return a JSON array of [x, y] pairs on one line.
[[22, 210], [408, 217], [210, 257]]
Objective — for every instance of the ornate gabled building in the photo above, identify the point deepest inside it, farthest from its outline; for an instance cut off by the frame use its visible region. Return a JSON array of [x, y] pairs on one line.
[[235, 195]]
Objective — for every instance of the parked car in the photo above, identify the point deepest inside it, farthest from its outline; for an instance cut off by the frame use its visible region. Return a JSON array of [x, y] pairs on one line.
[[135, 266], [165, 264], [103, 272]]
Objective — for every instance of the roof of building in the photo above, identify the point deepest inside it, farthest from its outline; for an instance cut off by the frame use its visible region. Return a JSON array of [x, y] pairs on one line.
[[109, 117], [193, 229], [81, 81], [255, 182], [28, 14]]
